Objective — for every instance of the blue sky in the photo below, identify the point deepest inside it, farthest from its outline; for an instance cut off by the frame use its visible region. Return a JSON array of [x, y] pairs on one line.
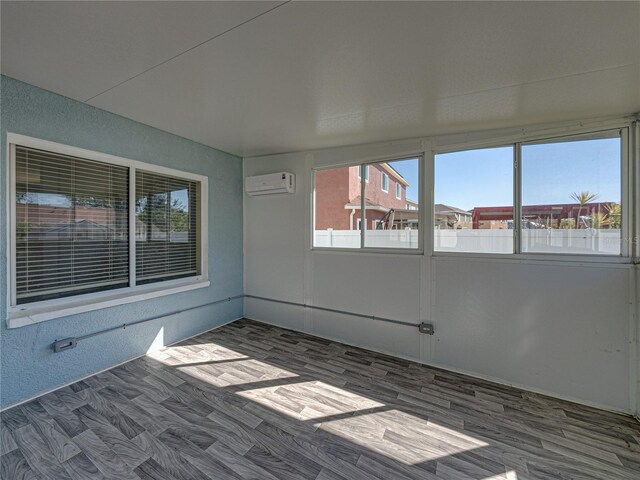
[[483, 177], [550, 173], [409, 170]]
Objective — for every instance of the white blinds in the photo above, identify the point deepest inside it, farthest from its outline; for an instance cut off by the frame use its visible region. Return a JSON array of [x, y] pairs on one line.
[[166, 228], [71, 225]]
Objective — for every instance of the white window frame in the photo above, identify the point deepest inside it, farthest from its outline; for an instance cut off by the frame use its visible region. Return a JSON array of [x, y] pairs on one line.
[[398, 191], [420, 156], [627, 192], [384, 175], [35, 312]]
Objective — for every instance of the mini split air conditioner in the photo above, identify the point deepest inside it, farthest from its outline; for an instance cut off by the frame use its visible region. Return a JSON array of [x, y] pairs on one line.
[[271, 184]]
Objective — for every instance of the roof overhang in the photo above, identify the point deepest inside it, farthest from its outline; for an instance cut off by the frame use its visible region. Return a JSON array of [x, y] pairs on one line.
[[378, 208]]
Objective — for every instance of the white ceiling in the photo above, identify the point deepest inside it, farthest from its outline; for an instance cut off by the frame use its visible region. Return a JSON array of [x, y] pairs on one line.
[[304, 75]]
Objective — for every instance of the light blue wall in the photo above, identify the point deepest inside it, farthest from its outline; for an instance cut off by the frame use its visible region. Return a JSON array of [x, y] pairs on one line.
[[28, 365]]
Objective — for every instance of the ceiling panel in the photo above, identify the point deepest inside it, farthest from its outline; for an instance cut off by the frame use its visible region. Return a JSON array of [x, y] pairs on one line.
[[81, 48], [318, 74]]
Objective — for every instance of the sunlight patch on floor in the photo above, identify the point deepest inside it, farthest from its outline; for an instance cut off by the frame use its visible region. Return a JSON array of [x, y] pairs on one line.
[[309, 400], [210, 362], [218, 376], [158, 355], [218, 365], [393, 433], [219, 352], [510, 475], [194, 354], [338, 411]]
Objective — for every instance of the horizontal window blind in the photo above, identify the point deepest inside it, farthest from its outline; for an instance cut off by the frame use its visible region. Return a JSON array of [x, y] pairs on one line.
[[72, 231], [166, 228]]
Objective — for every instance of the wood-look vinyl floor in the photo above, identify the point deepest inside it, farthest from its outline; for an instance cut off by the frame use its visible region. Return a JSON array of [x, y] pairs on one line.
[[252, 401]]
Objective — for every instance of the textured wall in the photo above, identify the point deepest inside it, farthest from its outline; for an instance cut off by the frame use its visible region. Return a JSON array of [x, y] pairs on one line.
[[28, 365]]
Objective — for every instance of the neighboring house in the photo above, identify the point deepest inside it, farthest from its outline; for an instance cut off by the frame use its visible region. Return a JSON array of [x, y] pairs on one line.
[[79, 230], [41, 221], [338, 195], [448, 217], [411, 205], [54, 222]]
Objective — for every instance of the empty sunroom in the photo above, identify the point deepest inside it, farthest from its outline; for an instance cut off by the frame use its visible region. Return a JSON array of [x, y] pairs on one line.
[[319, 240]]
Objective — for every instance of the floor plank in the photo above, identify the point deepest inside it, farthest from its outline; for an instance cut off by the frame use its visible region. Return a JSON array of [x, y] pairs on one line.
[[253, 401]]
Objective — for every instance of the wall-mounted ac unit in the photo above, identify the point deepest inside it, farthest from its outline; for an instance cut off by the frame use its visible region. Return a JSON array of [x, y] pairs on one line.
[[271, 184]]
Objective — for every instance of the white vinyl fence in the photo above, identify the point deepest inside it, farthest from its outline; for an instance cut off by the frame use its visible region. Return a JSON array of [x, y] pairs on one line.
[[587, 241], [373, 238], [477, 241], [590, 240]]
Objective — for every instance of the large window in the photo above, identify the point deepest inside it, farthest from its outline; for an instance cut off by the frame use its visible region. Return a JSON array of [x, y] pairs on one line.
[[71, 230], [473, 201], [560, 195], [166, 228], [572, 195], [385, 182], [82, 225], [351, 214]]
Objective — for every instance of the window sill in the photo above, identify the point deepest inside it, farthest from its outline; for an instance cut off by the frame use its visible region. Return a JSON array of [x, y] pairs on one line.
[[23, 315], [370, 250], [550, 258]]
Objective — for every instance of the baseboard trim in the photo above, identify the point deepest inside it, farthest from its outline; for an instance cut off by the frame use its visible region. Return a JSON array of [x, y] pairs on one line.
[[79, 379], [479, 376]]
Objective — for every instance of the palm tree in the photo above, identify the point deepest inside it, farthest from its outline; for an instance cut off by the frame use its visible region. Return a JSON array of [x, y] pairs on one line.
[[582, 199], [599, 220], [614, 211]]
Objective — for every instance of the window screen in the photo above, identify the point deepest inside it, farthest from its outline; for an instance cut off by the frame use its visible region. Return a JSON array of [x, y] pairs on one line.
[[71, 226], [166, 228]]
